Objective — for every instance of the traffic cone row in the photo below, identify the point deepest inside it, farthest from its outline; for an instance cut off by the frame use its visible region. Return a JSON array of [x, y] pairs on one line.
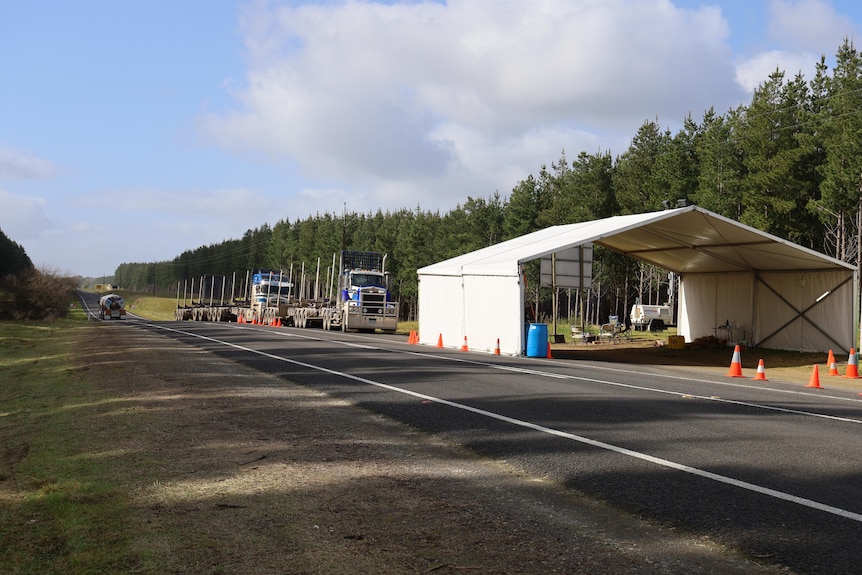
[[813, 382], [414, 338], [274, 322], [852, 371]]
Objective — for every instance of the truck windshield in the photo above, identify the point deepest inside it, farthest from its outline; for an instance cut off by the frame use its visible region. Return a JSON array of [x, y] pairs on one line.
[[364, 280]]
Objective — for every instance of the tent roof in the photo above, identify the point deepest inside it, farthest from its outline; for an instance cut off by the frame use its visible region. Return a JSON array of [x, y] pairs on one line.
[[682, 240]]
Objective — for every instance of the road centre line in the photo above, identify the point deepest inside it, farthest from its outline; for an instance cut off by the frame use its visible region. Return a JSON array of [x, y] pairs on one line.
[[553, 375], [547, 430], [819, 395]]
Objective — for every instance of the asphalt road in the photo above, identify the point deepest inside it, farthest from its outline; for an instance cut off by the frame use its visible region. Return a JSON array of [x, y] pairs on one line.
[[775, 472]]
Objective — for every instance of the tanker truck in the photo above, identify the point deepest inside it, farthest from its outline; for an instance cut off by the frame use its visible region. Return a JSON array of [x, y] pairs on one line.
[[361, 302], [112, 306]]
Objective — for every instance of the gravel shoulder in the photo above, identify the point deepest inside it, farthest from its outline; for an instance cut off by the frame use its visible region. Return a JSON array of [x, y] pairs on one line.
[[249, 473]]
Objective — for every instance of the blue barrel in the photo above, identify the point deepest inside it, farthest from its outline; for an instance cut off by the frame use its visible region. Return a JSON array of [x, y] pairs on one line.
[[537, 340]]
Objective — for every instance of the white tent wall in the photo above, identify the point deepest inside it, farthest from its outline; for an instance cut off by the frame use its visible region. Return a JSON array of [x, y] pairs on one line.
[[767, 307], [494, 310], [486, 308], [441, 305]]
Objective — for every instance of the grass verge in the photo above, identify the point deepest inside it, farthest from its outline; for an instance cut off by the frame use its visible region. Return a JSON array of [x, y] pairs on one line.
[[61, 504]]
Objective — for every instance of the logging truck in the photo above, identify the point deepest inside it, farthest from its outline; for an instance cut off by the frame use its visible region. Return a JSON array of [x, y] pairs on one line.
[[358, 298]]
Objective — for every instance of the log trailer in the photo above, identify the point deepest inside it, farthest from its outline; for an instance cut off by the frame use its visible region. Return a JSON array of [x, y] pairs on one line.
[[358, 299]]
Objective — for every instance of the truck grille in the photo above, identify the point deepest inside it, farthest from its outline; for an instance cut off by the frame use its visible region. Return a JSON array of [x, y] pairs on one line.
[[372, 302]]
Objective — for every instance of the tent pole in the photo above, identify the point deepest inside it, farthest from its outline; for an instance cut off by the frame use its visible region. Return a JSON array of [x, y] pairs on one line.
[[554, 302]]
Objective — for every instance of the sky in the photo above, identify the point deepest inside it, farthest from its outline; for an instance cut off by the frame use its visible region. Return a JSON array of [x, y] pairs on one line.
[[134, 131]]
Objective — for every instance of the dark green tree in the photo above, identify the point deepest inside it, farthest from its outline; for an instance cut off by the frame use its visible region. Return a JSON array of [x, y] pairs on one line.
[[638, 186], [771, 153], [720, 171], [13, 258], [841, 188]]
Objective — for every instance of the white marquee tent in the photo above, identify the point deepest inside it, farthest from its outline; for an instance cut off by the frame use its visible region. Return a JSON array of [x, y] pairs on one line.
[[779, 294]]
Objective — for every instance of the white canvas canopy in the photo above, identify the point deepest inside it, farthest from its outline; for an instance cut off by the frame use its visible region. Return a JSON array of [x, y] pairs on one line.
[[773, 292]]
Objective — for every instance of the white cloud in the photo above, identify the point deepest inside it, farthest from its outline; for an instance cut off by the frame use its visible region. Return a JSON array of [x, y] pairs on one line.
[[16, 164], [476, 93], [755, 71], [23, 217], [231, 210], [807, 25], [802, 31]]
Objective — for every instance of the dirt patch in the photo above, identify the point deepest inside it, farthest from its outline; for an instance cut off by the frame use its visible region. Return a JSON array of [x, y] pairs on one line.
[[234, 471]]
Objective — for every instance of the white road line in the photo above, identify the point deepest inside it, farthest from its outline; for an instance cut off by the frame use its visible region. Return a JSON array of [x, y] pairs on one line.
[[553, 375], [555, 432]]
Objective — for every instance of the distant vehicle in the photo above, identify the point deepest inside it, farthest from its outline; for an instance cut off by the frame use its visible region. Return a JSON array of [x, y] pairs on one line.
[[112, 306], [650, 317]]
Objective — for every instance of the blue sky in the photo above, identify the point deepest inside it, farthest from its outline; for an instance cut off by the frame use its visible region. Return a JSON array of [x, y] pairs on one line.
[[131, 132]]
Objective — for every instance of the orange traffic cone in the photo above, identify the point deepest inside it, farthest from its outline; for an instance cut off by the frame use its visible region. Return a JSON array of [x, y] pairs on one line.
[[735, 364], [240, 318], [464, 347], [761, 373], [815, 379], [833, 369], [497, 349], [440, 340], [549, 356], [412, 338], [852, 366], [278, 322]]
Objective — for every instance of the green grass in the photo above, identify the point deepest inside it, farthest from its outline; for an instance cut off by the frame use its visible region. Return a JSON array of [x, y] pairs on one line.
[[154, 307], [61, 511]]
